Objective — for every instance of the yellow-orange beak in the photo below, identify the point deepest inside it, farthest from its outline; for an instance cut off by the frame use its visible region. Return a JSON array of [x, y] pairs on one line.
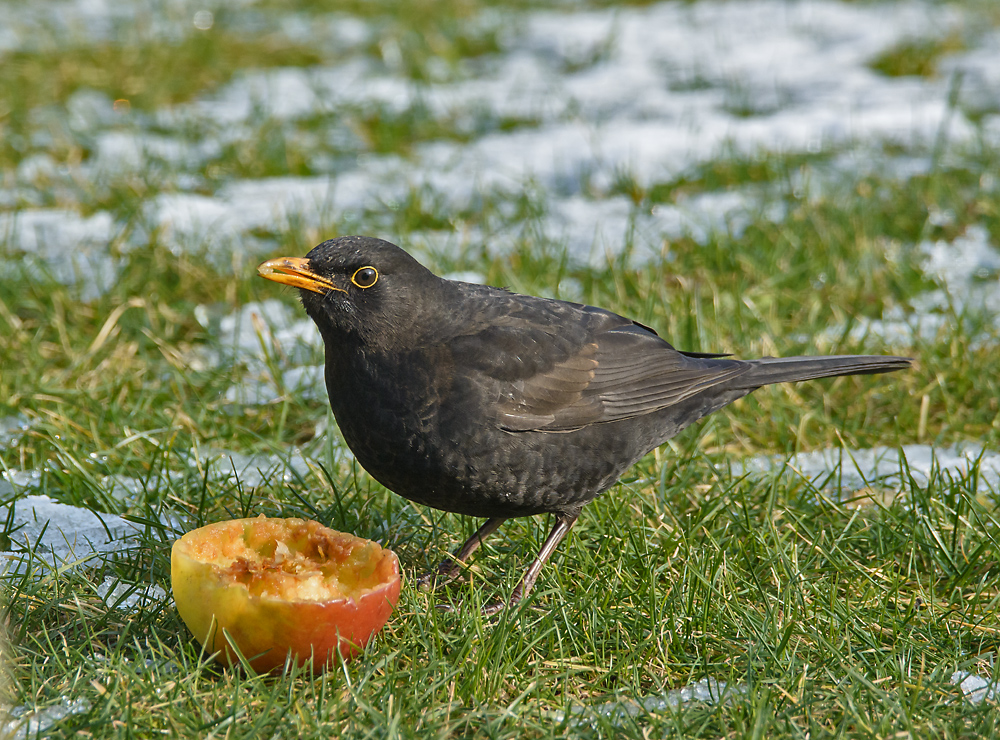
[[295, 271]]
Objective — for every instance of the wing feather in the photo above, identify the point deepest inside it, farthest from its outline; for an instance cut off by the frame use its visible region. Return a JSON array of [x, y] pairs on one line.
[[554, 366]]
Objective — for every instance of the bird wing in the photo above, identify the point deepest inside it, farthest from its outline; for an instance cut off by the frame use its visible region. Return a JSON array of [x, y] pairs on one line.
[[559, 367]]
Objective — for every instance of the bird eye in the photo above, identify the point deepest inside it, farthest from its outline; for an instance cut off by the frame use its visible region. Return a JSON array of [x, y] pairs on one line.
[[365, 277]]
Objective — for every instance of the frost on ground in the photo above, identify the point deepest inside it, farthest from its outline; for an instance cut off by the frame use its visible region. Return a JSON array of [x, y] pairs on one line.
[[891, 467]]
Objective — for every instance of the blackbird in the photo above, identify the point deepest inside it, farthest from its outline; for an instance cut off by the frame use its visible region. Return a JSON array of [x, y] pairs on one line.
[[479, 401]]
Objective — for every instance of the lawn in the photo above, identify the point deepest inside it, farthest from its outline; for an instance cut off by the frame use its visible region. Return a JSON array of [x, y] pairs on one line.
[[153, 155]]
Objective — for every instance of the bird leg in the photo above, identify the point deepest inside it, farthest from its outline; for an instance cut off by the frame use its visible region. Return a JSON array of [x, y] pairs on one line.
[[451, 566], [564, 522]]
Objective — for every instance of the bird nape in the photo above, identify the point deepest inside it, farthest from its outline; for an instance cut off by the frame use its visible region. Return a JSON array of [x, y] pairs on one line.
[[475, 400]]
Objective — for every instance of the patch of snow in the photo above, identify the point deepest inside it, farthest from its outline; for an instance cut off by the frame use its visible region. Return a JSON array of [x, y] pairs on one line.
[[49, 534], [130, 597], [89, 110], [267, 337], [980, 73], [887, 466], [12, 428], [296, 339], [968, 270], [466, 276], [250, 470], [12, 480], [344, 32], [975, 688], [117, 152], [26, 722], [61, 244], [707, 691]]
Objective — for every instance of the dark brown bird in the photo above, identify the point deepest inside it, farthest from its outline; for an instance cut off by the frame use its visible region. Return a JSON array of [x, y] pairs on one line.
[[479, 401]]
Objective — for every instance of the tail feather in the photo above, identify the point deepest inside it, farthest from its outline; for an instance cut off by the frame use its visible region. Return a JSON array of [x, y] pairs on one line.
[[769, 370]]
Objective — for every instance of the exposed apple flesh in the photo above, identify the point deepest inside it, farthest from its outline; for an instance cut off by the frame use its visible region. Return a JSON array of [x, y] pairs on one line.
[[280, 585]]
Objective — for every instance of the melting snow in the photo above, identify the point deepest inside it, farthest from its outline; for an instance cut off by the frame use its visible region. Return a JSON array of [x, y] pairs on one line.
[[129, 597], [11, 429], [883, 465], [49, 534], [976, 688], [250, 470], [60, 244], [707, 690], [648, 92], [968, 271], [25, 722]]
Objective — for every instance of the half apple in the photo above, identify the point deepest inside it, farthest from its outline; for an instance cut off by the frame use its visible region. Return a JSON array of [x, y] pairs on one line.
[[277, 586]]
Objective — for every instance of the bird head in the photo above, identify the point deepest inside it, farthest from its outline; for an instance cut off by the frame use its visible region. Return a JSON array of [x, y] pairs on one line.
[[358, 287]]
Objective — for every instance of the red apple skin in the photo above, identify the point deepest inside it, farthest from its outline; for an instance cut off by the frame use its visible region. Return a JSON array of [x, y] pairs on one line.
[[266, 628]]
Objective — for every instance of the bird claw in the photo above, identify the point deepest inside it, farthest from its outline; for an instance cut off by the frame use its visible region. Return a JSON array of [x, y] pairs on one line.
[[488, 610], [496, 607], [426, 583], [447, 570]]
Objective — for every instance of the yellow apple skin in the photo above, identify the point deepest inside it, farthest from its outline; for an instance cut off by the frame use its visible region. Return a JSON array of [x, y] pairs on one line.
[[210, 583]]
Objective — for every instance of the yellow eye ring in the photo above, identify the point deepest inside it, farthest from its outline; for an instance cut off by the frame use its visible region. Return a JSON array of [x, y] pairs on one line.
[[365, 277]]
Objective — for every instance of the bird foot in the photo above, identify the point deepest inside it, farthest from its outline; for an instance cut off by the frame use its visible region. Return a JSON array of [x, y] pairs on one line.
[[496, 607], [512, 603], [426, 582], [488, 610], [448, 570]]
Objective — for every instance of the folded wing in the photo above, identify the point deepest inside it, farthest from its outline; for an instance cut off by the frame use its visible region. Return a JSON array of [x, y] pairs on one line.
[[560, 375]]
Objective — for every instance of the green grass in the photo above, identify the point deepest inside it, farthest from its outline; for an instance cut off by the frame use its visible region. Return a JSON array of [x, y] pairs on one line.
[[143, 75], [916, 56], [837, 619], [837, 616], [423, 41]]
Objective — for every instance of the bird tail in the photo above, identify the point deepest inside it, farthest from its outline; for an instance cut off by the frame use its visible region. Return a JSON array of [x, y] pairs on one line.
[[768, 370]]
